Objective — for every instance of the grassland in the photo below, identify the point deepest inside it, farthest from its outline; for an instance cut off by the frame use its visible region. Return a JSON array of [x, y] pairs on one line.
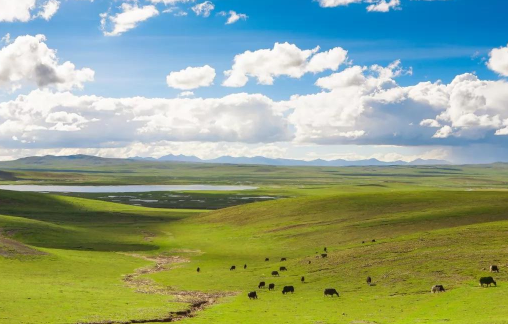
[[73, 260]]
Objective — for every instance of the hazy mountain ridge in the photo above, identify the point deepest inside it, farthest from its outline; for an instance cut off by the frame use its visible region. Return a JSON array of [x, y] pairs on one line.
[[261, 160], [51, 160]]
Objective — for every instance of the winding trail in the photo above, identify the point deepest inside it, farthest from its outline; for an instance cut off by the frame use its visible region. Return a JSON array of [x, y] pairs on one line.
[[197, 300]]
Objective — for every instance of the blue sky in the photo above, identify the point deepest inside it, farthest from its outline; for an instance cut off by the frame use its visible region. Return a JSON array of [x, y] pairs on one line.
[[434, 40]]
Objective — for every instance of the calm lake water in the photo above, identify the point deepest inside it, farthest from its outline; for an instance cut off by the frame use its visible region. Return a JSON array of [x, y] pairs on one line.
[[122, 189]]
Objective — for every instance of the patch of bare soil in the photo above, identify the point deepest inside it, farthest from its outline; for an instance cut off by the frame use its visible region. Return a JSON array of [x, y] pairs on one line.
[[12, 248], [197, 300]]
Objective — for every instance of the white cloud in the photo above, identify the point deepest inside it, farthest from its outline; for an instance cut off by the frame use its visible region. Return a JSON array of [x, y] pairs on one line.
[[171, 2], [186, 94], [129, 18], [49, 9], [283, 60], [24, 10], [430, 123], [17, 10], [444, 132], [498, 61], [29, 60], [6, 39], [383, 6], [44, 119], [369, 100], [192, 78], [337, 3], [234, 17], [203, 9], [372, 5]]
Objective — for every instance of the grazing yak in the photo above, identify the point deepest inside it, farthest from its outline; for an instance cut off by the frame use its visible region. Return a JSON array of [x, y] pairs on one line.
[[245, 266], [283, 269], [494, 268], [437, 289], [232, 268], [324, 255], [325, 249], [252, 295], [487, 281], [275, 273], [283, 259], [198, 270], [369, 281], [303, 279], [271, 286], [331, 292], [267, 259], [288, 289], [261, 285], [310, 262]]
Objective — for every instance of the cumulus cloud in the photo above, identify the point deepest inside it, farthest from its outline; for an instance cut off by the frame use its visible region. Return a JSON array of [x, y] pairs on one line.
[[372, 5], [29, 60], [498, 61], [235, 17], [129, 17], [44, 119], [26, 10], [337, 3], [204, 9], [360, 105], [368, 101], [186, 94], [49, 9], [18, 10], [383, 6], [283, 60], [430, 123], [171, 2], [444, 132], [192, 78]]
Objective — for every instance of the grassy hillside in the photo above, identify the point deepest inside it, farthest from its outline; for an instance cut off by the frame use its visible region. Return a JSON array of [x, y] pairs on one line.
[[422, 239], [63, 259], [72, 260]]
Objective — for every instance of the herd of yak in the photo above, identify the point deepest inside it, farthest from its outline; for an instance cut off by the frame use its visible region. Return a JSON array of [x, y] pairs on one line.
[[484, 281]]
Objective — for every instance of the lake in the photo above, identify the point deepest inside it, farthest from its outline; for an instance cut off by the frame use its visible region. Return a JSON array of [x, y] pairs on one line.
[[122, 189]]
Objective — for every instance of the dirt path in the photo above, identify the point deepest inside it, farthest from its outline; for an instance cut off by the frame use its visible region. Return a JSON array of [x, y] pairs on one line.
[[198, 301]]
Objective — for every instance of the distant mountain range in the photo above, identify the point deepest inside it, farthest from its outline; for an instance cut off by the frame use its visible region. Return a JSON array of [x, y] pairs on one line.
[[260, 160], [90, 161]]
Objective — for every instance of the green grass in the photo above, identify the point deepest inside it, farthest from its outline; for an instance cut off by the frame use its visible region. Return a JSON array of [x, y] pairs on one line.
[[64, 259]]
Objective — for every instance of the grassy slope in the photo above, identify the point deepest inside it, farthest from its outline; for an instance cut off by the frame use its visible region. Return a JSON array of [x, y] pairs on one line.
[[423, 238], [80, 276]]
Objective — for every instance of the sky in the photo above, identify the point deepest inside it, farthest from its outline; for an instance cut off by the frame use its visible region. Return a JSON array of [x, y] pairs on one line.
[[301, 79]]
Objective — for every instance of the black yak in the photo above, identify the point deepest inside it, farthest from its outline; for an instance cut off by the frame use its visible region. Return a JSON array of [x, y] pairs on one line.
[[437, 289], [487, 281], [331, 292], [288, 289]]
